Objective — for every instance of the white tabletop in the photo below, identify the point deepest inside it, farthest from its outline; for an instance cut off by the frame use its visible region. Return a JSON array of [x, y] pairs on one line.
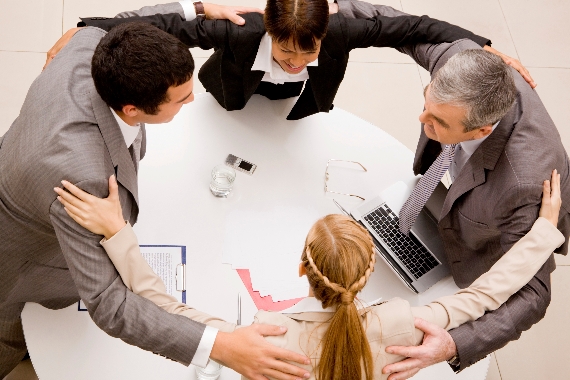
[[177, 208]]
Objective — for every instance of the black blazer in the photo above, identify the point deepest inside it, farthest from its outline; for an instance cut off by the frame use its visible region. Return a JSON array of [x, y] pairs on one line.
[[227, 74]]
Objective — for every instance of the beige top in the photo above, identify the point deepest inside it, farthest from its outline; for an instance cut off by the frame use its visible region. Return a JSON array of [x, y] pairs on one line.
[[388, 323]]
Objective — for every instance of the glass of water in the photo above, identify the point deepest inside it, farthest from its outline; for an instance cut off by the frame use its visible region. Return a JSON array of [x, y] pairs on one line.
[[210, 372], [222, 180]]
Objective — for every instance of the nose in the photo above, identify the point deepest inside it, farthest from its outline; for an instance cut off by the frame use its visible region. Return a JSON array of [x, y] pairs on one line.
[[297, 60], [423, 117]]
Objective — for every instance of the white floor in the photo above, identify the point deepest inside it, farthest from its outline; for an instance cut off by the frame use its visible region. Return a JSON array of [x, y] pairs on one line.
[[381, 86]]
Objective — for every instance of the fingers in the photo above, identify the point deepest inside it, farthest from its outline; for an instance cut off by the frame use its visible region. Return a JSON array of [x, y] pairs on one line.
[[269, 330], [407, 351], [284, 371], [75, 213], [76, 191], [68, 199], [233, 17], [74, 216], [290, 356], [242, 10], [555, 185], [403, 375], [48, 60], [406, 365]]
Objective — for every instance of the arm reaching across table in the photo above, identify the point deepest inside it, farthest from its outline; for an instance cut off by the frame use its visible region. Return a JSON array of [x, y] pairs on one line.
[[488, 292], [244, 350]]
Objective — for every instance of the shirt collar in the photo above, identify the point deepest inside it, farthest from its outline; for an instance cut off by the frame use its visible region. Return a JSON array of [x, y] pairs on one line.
[[264, 62], [129, 132], [471, 146], [311, 304]]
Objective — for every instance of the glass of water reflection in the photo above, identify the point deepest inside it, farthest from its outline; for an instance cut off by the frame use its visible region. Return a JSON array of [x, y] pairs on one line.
[[210, 372], [222, 180]]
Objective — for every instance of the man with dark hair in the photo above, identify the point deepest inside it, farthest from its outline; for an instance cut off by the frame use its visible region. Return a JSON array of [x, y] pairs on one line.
[[83, 120]]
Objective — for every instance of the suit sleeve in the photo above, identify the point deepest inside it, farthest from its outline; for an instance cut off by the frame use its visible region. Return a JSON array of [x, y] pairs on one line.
[[362, 9], [155, 9], [474, 340], [507, 276], [115, 309], [205, 34], [398, 31]]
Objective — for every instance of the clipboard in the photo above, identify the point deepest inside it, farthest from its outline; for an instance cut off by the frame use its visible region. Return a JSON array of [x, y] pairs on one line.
[[169, 263]]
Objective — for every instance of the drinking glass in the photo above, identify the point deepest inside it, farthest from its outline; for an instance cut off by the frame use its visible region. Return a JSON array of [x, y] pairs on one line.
[[222, 180], [210, 372]]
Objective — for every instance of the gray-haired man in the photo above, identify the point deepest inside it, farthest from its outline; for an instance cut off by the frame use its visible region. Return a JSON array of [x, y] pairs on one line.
[[502, 145]]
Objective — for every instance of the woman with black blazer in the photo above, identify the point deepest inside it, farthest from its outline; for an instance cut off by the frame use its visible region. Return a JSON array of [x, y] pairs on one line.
[[300, 33]]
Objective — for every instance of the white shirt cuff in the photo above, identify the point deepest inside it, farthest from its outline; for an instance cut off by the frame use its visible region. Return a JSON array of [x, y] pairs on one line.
[[189, 9], [202, 355]]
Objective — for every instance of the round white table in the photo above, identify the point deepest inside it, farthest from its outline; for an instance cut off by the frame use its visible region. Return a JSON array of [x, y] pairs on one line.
[[177, 208]]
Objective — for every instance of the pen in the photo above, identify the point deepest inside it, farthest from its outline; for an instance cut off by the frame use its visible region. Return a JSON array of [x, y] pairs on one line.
[[239, 310]]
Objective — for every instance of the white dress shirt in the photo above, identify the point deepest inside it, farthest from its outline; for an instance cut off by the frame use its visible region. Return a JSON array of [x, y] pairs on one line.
[[264, 58], [463, 151], [273, 72], [189, 9], [202, 355], [130, 132]]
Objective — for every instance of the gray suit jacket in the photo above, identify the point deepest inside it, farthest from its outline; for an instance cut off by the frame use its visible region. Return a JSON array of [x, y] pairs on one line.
[[66, 131], [494, 201]]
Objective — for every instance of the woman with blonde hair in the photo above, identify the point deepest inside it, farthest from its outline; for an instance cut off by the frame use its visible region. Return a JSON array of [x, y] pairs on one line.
[[345, 338]]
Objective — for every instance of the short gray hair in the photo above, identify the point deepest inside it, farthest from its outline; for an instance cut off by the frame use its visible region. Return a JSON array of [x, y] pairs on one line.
[[478, 81]]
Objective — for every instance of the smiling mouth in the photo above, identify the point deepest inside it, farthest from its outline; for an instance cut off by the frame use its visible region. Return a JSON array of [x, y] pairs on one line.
[[294, 69]]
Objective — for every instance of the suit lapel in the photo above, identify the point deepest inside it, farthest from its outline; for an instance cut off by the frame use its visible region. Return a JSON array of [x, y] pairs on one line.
[[120, 155], [321, 79], [484, 158]]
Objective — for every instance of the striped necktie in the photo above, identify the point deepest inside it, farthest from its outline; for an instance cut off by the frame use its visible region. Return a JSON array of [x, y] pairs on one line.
[[425, 187]]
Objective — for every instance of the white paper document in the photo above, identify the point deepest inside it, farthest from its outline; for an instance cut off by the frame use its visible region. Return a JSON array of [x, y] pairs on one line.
[[273, 256], [168, 262]]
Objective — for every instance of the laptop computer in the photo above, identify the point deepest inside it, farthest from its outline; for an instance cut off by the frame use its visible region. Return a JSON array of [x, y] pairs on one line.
[[417, 259]]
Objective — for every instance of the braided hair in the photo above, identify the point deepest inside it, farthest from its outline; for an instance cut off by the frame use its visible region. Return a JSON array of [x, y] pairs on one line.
[[339, 258]]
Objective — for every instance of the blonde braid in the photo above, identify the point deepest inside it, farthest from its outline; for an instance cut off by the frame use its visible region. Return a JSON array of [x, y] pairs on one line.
[[346, 296]]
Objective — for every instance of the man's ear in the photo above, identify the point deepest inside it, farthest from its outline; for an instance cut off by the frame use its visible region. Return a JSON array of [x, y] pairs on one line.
[[483, 132], [130, 110], [302, 270]]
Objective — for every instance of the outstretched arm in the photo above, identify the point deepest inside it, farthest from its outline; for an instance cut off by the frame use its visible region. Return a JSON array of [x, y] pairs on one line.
[[184, 9], [244, 350], [362, 10], [515, 269]]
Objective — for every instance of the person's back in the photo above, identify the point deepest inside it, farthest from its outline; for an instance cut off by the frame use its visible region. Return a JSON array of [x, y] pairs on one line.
[[385, 324], [55, 133], [66, 130]]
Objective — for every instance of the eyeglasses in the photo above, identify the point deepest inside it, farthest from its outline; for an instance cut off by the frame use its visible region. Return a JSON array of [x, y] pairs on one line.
[[327, 177]]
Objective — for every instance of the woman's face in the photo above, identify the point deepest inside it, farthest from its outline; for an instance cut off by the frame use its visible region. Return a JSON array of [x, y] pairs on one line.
[[291, 59]]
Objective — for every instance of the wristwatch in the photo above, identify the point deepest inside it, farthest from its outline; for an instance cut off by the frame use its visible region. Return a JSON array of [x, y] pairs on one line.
[[199, 7], [454, 363]]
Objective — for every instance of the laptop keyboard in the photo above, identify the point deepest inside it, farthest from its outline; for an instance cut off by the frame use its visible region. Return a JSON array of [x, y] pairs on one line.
[[415, 257]]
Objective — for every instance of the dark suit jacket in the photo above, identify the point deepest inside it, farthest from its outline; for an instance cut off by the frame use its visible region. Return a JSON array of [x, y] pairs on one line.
[[66, 131], [227, 73]]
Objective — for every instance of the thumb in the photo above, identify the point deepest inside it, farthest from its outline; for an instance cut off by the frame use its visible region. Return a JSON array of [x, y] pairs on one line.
[[426, 327], [545, 193], [270, 330], [113, 188]]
